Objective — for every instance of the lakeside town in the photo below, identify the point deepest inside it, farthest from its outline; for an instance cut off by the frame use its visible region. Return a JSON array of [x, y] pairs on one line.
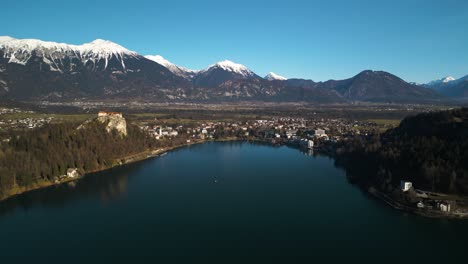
[[307, 133], [322, 135], [311, 135]]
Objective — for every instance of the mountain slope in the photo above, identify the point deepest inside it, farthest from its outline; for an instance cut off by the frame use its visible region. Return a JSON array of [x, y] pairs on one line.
[[380, 86], [34, 69], [439, 82], [451, 87], [428, 149], [180, 71], [271, 76], [221, 72]]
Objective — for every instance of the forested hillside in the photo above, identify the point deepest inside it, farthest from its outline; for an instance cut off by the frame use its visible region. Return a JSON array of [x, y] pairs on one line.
[[44, 154], [431, 150]]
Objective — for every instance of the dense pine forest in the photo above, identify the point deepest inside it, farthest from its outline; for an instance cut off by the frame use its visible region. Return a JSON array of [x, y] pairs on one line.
[[430, 150], [45, 153]]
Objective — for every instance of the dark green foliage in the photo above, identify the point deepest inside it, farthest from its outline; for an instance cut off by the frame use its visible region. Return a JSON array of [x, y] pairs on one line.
[[47, 152], [431, 150]]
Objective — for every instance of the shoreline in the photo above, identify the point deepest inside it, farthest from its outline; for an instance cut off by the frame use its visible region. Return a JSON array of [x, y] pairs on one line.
[[152, 153], [147, 154], [396, 205]]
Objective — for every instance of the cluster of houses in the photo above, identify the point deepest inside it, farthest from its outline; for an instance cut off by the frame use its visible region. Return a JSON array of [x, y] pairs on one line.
[[427, 200], [160, 131], [296, 131], [299, 131], [25, 123], [21, 123]]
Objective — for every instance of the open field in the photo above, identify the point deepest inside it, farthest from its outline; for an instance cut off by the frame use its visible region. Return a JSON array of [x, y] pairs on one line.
[[189, 114], [55, 117]]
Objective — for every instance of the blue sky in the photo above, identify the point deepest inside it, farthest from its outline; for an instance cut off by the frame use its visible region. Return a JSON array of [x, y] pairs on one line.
[[320, 40]]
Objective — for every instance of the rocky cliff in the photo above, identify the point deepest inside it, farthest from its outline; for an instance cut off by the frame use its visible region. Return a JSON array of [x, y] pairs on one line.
[[114, 122]]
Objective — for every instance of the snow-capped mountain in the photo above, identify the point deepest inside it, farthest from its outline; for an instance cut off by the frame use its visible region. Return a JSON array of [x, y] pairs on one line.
[[178, 70], [233, 67], [221, 72], [35, 68], [98, 54], [448, 79], [271, 76], [442, 81], [451, 87]]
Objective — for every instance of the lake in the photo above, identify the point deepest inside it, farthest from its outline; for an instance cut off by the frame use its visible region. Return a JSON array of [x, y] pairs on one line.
[[231, 202]]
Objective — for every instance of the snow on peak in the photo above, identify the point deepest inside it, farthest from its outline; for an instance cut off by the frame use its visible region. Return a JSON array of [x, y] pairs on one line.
[[160, 59], [271, 76], [97, 46], [21, 50], [444, 80], [181, 71], [448, 79], [28, 45], [228, 65], [104, 47], [5, 38]]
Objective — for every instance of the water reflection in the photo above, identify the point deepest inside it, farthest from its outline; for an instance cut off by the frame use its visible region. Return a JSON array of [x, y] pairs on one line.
[[308, 152], [108, 185]]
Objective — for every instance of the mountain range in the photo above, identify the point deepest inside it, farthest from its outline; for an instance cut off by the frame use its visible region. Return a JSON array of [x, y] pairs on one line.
[[451, 87], [32, 70]]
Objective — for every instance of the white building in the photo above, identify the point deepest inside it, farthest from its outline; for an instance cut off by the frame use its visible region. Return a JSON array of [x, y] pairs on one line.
[[319, 132], [405, 185], [445, 207], [72, 173], [310, 144]]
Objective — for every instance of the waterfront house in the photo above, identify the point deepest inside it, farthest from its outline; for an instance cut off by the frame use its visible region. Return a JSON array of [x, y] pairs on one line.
[[406, 185], [310, 144], [72, 173], [444, 207]]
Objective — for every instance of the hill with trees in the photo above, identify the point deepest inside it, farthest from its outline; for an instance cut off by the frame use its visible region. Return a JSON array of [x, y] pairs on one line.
[[42, 155], [430, 150]]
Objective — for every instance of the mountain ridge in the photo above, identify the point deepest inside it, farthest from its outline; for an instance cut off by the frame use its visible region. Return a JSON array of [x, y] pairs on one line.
[[451, 87], [37, 70]]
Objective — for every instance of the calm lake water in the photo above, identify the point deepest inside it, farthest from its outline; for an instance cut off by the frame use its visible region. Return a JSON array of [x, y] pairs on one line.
[[222, 202]]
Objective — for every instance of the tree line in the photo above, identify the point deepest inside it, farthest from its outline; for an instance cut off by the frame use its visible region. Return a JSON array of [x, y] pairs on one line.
[[47, 152], [430, 150]]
